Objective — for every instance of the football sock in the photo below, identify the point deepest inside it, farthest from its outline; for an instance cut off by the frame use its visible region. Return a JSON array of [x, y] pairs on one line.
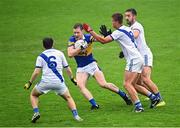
[[151, 96], [137, 104], [93, 102], [158, 95], [121, 93], [74, 112], [35, 110]]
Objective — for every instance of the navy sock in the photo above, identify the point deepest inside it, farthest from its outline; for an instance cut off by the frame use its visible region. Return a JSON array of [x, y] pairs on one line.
[[35, 110], [158, 95], [138, 104], [151, 96], [121, 93], [93, 102], [75, 113]]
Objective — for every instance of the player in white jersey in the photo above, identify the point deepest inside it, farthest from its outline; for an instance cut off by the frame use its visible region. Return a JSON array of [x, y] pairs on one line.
[[138, 31], [51, 62], [134, 61]]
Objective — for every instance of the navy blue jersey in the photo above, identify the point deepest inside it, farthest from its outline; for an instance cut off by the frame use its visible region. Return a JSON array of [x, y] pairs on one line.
[[85, 57]]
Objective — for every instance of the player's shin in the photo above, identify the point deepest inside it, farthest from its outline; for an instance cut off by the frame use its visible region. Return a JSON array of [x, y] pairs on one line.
[[131, 91], [74, 111], [34, 102], [134, 97], [71, 105], [115, 89], [145, 92], [34, 99]]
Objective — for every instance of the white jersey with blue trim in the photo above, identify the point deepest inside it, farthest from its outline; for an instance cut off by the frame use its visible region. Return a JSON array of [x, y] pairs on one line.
[[125, 38], [57, 61], [140, 40]]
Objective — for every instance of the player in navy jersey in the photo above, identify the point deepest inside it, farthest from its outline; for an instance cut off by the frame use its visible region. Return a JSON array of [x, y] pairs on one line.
[[87, 66]]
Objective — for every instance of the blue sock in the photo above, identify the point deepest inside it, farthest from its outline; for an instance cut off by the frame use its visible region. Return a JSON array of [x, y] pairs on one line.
[[35, 110], [158, 95], [138, 104], [121, 93], [151, 96], [93, 102], [75, 113]]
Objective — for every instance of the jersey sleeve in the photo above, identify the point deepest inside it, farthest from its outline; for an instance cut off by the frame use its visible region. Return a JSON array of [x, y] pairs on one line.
[[64, 61], [71, 42], [137, 27], [39, 62], [116, 35]]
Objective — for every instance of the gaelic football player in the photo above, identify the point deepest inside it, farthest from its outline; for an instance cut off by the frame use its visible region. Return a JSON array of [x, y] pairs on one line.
[[51, 62], [138, 31], [87, 66], [125, 38]]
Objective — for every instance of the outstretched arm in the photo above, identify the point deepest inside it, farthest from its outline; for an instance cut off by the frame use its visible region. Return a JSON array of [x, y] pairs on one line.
[[99, 38]]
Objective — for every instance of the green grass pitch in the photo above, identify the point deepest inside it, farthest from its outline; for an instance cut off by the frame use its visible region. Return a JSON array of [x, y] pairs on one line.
[[23, 23]]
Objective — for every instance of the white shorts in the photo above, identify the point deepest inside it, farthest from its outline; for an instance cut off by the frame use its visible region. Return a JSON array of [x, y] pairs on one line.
[[148, 59], [59, 88], [135, 65], [90, 68]]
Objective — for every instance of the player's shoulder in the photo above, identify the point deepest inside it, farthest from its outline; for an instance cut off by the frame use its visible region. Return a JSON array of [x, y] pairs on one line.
[[121, 29], [137, 25], [88, 37], [51, 51], [59, 52], [72, 39]]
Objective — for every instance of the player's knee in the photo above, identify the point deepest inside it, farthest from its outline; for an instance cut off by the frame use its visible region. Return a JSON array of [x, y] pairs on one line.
[[103, 84], [146, 80], [81, 87], [68, 97], [33, 94]]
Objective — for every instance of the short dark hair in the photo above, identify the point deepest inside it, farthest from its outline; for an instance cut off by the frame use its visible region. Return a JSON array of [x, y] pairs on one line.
[[78, 25], [132, 10], [118, 17], [47, 42]]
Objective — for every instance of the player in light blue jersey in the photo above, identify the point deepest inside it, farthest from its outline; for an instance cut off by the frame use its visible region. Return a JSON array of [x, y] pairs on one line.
[[51, 62], [87, 66]]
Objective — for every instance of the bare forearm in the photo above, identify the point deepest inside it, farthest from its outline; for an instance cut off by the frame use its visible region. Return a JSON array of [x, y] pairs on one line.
[[73, 52], [69, 72], [97, 37], [35, 75]]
